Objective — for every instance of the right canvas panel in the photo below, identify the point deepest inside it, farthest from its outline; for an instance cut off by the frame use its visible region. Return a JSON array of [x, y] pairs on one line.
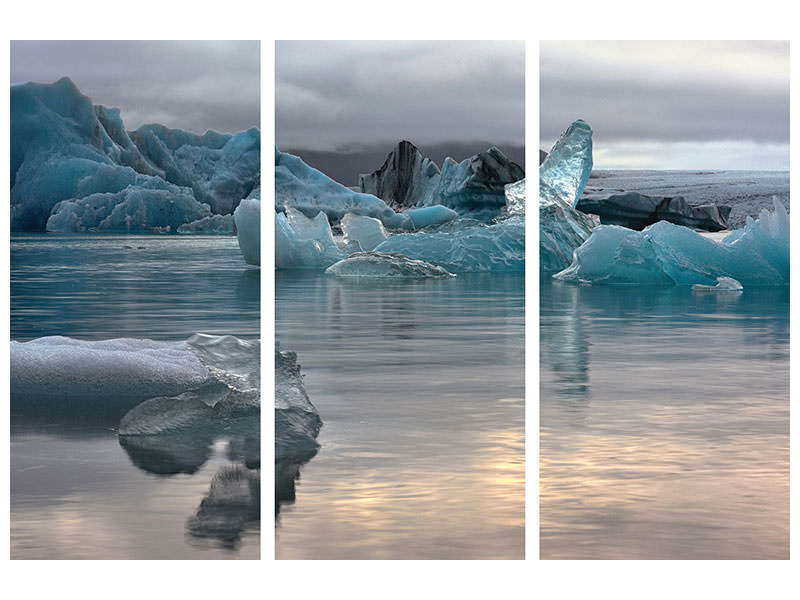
[[664, 300]]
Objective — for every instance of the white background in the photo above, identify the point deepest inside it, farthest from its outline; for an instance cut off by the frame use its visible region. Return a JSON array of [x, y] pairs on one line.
[[410, 19]]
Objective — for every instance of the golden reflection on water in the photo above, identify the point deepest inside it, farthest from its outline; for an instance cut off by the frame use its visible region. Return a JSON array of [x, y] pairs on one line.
[[629, 497], [469, 506]]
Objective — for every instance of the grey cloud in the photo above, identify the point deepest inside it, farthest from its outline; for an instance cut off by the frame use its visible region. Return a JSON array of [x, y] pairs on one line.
[[194, 85], [668, 92], [333, 95]]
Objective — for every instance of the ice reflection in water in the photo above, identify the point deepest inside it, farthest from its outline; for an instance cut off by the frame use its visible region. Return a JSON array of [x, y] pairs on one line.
[[664, 423], [420, 386]]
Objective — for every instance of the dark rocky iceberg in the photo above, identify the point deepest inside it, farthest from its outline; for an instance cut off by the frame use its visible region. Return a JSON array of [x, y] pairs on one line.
[[636, 211]]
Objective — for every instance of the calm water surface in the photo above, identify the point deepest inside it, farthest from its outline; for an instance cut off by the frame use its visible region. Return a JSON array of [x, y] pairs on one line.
[[420, 386], [664, 421], [76, 491]]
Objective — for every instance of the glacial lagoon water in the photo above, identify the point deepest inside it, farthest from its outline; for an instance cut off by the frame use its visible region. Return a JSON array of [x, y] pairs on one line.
[[420, 386], [77, 491], [664, 423]]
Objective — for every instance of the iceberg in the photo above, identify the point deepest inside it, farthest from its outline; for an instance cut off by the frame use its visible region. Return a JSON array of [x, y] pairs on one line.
[[405, 179], [303, 243], [247, 218], [76, 157], [467, 246], [473, 187], [562, 177], [430, 215], [63, 375], [636, 211], [365, 231], [383, 265], [668, 254], [565, 171], [309, 191], [215, 224]]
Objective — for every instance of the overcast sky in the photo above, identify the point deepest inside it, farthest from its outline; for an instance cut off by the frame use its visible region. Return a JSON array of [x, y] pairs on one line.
[[341, 95], [671, 105], [190, 85]]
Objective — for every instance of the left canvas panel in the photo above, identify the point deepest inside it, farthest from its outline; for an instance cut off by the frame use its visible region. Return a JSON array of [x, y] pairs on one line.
[[135, 340]]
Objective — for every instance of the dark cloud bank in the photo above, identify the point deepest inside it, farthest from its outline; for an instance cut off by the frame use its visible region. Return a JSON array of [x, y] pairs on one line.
[[343, 106]]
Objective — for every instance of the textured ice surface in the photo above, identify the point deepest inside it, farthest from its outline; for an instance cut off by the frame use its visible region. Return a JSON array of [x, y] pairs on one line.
[[247, 218], [464, 248], [63, 148], [566, 169], [55, 373], [365, 231], [303, 243], [636, 211], [385, 265], [215, 224], [61, 367], [670, 254], [302, 187], [562, 177], [724, 284], [515, 198]]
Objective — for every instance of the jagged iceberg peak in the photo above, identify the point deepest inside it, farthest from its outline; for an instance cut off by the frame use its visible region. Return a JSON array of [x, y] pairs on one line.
[[65, 151], [473, 187], [668, 254], [405, 179], [565, 171]]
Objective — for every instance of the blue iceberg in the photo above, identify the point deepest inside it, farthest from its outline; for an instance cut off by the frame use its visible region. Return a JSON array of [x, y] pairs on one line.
[[668, 254], [562, 178], [247, 218], [303, 243], [74, 167]]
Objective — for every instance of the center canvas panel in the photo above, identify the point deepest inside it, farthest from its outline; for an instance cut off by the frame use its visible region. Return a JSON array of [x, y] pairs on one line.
[[399, 300]]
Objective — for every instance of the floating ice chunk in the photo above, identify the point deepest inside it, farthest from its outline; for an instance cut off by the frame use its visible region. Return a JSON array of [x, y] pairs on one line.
[[515, 198], [124, 371], [365, 231], [303, 243], [566, 169], [385, 265], [215, 224], [724, 284], [562, 229], [636, 211], [472, 247], [310, 191], [247, 218], [671, 254], [297, 421], [430, 215]]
